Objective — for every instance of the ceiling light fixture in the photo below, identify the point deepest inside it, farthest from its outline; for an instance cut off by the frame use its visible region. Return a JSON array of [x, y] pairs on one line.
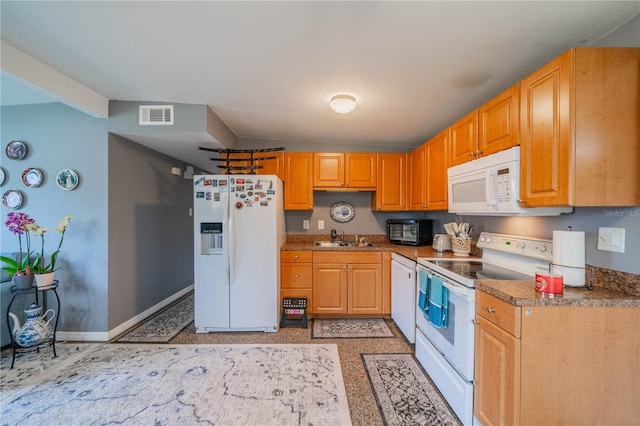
[[342, 103]]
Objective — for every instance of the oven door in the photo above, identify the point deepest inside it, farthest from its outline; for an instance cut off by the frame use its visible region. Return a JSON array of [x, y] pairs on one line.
[[455, 341]]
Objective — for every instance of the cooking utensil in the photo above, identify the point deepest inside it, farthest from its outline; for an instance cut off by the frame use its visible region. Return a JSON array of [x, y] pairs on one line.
[[449, 228], [456, 228]]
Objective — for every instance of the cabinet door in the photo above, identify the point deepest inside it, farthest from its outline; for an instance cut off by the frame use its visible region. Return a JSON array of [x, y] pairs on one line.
[[271, 167], [298, 182], [545, 135], [330, 288], [328, 170], [500, 122], [464, 139], [361, 170], [417, 179], [391, 186], [497, 375], [364, 289], [437, 164]]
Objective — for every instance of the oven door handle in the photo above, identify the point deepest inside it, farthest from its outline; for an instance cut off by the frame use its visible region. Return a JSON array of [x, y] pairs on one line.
[[456, 288]]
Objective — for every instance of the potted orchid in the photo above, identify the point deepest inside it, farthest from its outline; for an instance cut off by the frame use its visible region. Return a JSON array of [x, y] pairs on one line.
[[20, 268], [43, 269]]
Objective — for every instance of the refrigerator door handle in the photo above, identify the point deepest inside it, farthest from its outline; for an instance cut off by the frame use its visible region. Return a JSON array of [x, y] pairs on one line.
[[231, 245]]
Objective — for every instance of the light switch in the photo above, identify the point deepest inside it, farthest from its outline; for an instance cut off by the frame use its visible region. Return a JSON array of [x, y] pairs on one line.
[[611, 239], [305, 224], [321, 224]]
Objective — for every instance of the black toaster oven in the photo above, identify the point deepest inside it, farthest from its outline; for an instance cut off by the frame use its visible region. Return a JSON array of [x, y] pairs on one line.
[[412, 232]]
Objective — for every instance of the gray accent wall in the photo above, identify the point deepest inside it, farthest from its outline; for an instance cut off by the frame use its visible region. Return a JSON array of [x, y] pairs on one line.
[[150, 229], [59, 137]]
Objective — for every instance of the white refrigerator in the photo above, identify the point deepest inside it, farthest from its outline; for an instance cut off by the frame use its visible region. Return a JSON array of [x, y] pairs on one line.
[[239, 227]]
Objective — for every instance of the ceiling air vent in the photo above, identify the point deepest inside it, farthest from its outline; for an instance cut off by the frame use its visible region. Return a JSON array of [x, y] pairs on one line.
[[151, 115]]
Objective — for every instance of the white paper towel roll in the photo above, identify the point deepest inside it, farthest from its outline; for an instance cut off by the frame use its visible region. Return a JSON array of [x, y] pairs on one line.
[[569, 256]]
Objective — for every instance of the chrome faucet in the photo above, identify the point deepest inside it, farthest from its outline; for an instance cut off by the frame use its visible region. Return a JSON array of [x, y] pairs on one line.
[[334, 235]]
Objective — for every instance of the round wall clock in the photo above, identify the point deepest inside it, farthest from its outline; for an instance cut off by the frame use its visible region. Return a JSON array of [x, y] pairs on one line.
[[342, 212]]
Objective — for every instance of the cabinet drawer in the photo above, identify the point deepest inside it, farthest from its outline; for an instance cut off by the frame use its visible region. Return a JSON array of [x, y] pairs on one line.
[[499, 312], [347, 257], [296, 275], [295, 256]]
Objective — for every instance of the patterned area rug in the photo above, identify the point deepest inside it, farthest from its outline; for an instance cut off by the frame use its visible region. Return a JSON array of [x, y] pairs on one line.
[[103, 384], [350, 328], [403, 392], [162, 327]]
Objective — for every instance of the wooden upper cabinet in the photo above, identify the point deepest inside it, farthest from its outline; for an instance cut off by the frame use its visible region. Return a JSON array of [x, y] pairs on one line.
[[361, 170], [580, 139], [464, 139], [437, 158], [271, 167], [298, 181], [391, 188], [500, 122], [328, 170], [336, 171], [417, 179]]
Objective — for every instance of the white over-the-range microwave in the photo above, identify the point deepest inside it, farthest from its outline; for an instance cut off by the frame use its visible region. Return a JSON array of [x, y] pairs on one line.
[[490, 186]]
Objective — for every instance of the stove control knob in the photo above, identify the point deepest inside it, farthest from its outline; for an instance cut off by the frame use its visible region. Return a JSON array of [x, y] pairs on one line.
[[482, 239], [543, 249], [523, 245], [489, 240]]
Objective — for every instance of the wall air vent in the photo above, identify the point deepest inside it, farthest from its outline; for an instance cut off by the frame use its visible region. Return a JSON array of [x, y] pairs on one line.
[[154, 115]]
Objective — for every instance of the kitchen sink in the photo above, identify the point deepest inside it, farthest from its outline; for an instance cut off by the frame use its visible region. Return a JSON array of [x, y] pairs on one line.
[[339, 244], [327, 244]]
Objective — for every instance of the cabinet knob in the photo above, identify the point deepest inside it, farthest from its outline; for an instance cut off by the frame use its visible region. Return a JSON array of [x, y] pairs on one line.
[[478, 153], [490, 309], [521, 202], [295, 257], [472, 154], [342, 184], [296, 276]]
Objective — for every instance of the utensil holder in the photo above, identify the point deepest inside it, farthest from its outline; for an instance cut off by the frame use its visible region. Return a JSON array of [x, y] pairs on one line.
[[461, 246]]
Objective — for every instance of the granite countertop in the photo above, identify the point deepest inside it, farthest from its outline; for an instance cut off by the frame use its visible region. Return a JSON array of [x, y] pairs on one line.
[[411, 252], [523, 293], [609, 289]]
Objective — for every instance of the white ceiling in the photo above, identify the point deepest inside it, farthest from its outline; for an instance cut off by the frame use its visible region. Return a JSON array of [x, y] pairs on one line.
[[268, 69]]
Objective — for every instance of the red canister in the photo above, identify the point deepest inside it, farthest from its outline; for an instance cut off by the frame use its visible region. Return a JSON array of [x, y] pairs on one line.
[[549, 283]]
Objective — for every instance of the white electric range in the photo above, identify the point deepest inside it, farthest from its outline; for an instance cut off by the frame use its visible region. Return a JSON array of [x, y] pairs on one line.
[[447, 352]]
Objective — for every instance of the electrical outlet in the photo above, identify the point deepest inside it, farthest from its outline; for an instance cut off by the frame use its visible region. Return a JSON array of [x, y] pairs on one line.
[[611, 239], [305, 224], [321, 224]]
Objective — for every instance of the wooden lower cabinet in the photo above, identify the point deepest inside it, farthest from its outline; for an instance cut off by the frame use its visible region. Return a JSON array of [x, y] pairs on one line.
[[347, 282], [543, 365], [296, 276]]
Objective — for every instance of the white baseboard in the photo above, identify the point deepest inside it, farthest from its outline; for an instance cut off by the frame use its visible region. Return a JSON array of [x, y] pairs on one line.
[[100, 336]]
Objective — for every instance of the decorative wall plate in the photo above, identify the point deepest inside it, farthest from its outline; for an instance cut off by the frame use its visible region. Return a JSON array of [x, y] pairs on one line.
[[32, 177], [342, 212], [12, 199], [67, 179], [16, 150], [1, 176]]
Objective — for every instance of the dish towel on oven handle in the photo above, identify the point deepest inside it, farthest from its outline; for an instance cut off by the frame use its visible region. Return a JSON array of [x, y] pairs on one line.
[[423, 285], [437, 302]]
